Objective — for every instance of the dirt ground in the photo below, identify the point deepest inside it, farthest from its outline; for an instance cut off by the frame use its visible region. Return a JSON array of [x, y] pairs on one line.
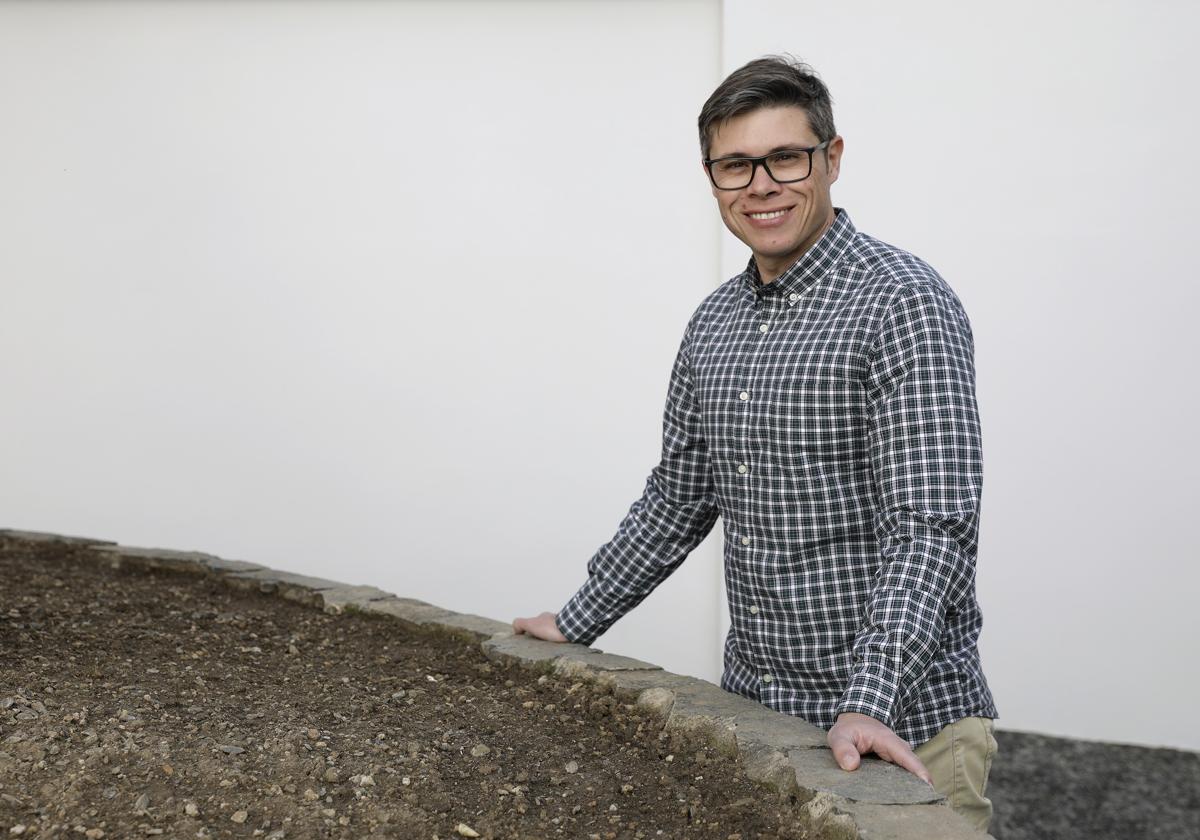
[[137, 703]]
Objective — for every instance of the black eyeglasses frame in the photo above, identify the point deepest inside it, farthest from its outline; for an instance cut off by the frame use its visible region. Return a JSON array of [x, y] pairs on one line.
[[756, 162]]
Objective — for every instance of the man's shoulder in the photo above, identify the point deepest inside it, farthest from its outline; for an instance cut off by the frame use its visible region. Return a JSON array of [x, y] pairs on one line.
[[720, 302], [890, 273]]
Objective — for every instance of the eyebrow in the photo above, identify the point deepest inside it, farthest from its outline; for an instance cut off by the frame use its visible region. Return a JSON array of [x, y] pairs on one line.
[[785, 148]]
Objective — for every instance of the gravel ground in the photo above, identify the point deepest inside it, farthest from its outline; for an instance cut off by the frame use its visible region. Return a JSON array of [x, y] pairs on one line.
[[137, 703], [1047, 788]]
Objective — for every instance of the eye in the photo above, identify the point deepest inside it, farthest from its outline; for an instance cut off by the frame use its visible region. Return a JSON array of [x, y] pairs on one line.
[[732, 166], [785, 157]]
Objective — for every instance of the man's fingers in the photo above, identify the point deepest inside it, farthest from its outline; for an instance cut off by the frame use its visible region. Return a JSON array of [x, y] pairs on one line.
[[900, 753], [844, 752], [540, 627]]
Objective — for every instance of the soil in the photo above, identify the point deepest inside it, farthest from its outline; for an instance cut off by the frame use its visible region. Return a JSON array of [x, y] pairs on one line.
[[140, 703]]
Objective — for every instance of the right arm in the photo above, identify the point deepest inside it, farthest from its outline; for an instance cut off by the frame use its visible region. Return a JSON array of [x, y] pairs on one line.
[[676, 511]]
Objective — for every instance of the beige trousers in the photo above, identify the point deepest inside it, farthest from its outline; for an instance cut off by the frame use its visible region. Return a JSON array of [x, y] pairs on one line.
[[959, 758]]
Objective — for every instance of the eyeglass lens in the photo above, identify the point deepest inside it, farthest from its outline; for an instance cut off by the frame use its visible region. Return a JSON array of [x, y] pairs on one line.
[[735, 173]]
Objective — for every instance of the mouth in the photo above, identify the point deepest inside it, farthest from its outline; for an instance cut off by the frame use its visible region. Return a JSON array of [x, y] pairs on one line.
[[768, 218]]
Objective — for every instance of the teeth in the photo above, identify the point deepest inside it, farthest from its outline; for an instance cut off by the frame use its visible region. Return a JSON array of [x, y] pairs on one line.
[[774, 215]]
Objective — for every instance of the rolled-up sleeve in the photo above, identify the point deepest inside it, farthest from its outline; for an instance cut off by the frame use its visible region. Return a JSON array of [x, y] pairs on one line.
[[676, 511], [927, 465]]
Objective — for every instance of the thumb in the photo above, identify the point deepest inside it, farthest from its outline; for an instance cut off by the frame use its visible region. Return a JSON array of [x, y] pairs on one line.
[[844, 751]]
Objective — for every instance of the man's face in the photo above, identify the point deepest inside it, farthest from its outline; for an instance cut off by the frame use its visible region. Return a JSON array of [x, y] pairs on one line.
[[776, 239]]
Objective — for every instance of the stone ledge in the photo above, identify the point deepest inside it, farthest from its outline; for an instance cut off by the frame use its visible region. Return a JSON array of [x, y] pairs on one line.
[[423, 616], [877, 802], [195, 562], [45, 536]]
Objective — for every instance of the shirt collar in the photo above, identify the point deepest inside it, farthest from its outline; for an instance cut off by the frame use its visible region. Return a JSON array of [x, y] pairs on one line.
[[817, 261]]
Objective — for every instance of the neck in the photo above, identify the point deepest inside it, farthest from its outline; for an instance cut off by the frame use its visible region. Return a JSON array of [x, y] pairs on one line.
[[770, 269]]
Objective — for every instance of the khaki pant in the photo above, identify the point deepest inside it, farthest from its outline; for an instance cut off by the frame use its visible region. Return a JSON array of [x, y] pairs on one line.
[[959, 758]]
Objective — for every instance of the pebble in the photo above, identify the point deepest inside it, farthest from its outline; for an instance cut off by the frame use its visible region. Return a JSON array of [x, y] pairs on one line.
[[94, 833], [311, 795], [17, 830], [466, 830], [313, 734], [230, 749], [239, 817], [365, 780], [141, 804], [572, 767], [480, 750], [190, 809], [331, 775]]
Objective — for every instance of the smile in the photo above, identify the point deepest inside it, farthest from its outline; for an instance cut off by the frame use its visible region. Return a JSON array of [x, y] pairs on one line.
[[775, 214]]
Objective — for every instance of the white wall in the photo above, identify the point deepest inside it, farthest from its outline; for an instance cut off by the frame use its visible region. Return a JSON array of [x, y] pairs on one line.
[[387, 292], [1042, 156], [258, 302]]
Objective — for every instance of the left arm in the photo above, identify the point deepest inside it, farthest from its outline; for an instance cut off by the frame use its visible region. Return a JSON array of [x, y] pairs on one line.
[[927, 463]]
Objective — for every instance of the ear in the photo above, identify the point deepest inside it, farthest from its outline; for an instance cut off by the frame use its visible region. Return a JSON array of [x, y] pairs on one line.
[[707, 179], [833, 157]]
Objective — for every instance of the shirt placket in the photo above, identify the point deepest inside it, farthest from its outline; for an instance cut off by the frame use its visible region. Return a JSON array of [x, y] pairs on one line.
[[749, 474]]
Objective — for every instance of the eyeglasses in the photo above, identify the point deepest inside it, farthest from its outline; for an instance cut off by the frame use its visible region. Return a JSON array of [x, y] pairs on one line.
[[786, 166]]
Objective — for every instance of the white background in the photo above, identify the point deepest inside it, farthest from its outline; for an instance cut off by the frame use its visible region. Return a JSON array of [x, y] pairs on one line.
[[389, 292]]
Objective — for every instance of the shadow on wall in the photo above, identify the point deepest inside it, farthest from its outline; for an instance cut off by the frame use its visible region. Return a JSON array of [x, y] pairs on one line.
[[1046, 788]]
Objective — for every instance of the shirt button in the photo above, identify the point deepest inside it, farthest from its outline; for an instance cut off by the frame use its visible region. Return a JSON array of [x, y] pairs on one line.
[[793, 297], [754, 611], [745, 541], [763, 328], [767, 678], [745, 395], [743, 469]]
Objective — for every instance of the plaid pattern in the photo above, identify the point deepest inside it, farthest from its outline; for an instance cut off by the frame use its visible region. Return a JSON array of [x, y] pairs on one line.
[[829, 418]]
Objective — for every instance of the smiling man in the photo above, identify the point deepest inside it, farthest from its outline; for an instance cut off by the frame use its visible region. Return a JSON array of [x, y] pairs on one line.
[[823, 405]]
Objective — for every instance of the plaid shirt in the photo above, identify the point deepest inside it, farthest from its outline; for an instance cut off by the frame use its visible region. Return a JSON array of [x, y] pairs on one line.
[[829, 418]]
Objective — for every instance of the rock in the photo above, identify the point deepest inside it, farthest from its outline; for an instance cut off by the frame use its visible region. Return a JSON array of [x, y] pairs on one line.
[[313, 734], [311, 795], [94, 833], [480, 750], [365, 780], [239, 817], [466, 830], [572, 767], [190, 809], [141, 804], [17, 830], [230, 749], [331, 775]]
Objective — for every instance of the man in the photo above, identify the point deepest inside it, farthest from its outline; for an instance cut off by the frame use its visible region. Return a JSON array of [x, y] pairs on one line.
[[823, 404]]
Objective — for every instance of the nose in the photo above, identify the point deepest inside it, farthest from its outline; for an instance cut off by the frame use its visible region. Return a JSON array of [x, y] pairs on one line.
[[761, 183]]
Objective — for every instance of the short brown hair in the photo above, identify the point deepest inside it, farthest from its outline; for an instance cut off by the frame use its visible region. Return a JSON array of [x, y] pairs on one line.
[[769, 82]]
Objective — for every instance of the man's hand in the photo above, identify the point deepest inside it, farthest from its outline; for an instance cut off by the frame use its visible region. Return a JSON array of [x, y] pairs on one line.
[[854, 735], [540, 627]]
